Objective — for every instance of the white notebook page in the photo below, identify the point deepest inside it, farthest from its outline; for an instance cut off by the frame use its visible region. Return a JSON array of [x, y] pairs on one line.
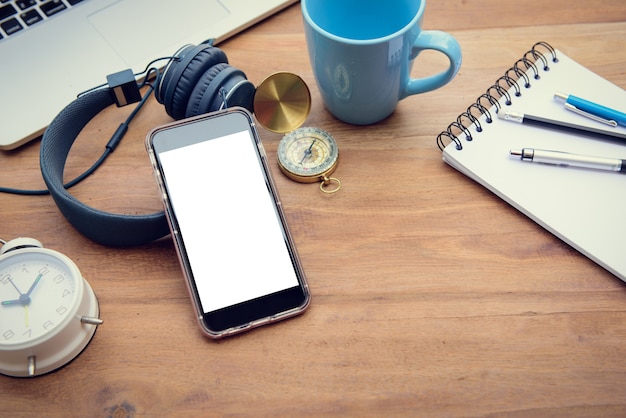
[[585, 208]]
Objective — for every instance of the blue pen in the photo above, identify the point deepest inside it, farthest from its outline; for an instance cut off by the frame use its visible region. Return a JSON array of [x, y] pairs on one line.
[[592, 110]]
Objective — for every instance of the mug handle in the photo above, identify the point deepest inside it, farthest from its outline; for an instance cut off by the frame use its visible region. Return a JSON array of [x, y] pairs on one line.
[[438, 41]]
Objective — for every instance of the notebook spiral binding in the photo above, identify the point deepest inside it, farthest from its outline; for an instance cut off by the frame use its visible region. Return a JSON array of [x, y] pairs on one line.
[[512, 78]]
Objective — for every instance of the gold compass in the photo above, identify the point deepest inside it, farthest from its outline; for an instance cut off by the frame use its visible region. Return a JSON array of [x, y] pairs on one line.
[[281, 104], [309, 155]]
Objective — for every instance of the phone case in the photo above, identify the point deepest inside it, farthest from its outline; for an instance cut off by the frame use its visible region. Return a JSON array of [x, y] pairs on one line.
[[178, 239]]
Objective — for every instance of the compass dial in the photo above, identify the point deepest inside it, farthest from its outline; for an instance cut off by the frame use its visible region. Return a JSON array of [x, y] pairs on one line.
[[308, 155]]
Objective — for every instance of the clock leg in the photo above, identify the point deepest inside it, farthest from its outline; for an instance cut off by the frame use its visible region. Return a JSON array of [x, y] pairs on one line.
[[32, 360]]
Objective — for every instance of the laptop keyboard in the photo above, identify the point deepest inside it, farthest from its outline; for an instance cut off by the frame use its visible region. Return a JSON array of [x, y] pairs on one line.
[[18, 15]]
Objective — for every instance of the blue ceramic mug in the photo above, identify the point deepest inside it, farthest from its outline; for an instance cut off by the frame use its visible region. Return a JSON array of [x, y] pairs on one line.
[[362, 54]]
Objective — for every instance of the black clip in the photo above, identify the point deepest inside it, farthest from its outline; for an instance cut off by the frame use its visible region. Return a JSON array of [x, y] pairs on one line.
[[124, 87]]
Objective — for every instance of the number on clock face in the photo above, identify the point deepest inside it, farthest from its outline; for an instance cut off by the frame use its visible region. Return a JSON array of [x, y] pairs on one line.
[[37, 293]]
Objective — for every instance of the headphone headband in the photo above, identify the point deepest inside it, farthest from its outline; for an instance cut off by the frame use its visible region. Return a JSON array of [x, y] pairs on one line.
[[102, 227], [193, 79]]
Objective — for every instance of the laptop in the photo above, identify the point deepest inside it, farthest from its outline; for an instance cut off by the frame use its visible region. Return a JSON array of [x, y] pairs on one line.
[[51, 59]]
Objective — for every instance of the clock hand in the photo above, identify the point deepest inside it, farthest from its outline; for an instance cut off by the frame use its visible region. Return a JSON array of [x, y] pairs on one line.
[[16, 288], [308, 152], [11, 302], [24, 297], [23, 301], [32, 287]]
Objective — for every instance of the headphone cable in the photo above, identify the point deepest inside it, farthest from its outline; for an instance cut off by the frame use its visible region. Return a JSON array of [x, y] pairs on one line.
[[110, 147]]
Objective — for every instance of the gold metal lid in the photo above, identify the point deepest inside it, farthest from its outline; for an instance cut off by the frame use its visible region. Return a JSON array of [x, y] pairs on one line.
[[282, 102]]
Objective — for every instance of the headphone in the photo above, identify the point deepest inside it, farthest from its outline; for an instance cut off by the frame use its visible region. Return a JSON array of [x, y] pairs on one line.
[[193, 83], [196, 80]]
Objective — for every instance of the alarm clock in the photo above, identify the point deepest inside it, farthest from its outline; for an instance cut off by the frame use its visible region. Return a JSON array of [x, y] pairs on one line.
[[48, 311]]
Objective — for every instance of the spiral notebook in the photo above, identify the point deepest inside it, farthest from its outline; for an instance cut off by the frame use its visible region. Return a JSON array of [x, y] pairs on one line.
[[585, 208]]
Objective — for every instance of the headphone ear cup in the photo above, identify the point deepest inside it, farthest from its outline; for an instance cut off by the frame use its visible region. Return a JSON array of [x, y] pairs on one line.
[[181, 76], [240, 92], [208, 97], [204, 88], [165, 76]]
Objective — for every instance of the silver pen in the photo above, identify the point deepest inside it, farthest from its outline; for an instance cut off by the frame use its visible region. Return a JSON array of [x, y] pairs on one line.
[[566, 159]]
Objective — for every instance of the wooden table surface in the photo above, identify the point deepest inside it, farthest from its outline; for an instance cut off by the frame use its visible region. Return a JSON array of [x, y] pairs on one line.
[[431, 296]]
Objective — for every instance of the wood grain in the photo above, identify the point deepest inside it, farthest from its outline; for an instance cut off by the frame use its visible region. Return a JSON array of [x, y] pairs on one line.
[[431, 297]]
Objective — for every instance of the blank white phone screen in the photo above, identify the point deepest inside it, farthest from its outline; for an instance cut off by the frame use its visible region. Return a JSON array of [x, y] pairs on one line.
[[231, 232]]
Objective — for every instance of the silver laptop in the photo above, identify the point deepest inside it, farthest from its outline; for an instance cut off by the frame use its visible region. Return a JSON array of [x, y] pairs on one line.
[[51, 50]]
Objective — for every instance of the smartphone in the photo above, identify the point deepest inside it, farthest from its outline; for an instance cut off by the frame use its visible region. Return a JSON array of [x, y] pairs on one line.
[[237, 255]]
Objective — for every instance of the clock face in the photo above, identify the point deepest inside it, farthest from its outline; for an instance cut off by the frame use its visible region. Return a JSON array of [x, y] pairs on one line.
[[38, 295]]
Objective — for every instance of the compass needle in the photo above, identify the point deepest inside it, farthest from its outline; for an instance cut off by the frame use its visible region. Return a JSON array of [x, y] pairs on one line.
[[308, 152]]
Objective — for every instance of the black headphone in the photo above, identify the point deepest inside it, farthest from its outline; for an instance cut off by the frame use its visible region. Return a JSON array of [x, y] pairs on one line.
[[196, 80], [201, 81]]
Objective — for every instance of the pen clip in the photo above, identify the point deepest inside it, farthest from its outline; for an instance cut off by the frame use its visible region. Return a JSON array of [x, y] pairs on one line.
[[591, 116]]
